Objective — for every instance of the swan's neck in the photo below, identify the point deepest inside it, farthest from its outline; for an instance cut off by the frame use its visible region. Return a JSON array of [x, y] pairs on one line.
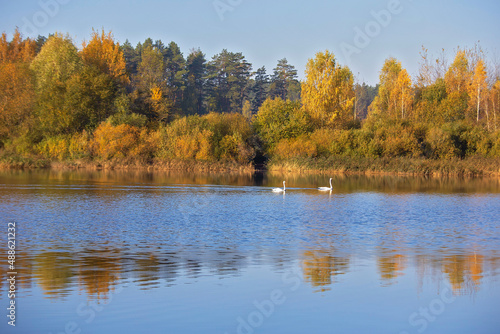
[[331, 183]]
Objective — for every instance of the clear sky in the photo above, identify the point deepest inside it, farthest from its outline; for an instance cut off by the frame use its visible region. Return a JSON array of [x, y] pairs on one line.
[[268, 30]]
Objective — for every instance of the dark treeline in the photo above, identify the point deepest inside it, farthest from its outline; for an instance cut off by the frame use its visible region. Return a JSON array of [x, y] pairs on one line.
[[193, 85], [106, 102]]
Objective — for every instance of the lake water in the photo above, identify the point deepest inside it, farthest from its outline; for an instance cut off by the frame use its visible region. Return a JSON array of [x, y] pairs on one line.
[[136, 252]]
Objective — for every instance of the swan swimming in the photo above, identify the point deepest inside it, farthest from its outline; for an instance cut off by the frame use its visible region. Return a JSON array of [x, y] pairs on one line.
[[326, 188], [279, 190]]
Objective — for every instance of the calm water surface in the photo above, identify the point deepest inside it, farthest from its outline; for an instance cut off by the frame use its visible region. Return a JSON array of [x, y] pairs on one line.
[[137, 252]]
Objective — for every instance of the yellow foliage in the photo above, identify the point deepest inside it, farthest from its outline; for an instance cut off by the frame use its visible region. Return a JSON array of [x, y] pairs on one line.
[[115, 141], [478, 88], [395, 95], [79, 145], [300, 147], [328, 91], [147, 145], [54, 147], [104, 53], [458, 75], [16, 96], [229, 147], [156, 94], [402, 92], [323, 139], [204, 145]]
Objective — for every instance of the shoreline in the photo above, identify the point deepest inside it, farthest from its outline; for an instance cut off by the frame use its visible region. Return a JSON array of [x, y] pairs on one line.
[[469, 167], [338, 165]]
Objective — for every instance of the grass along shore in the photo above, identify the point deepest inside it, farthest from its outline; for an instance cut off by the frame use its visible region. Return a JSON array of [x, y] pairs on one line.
[[470, 166], [15, 162]]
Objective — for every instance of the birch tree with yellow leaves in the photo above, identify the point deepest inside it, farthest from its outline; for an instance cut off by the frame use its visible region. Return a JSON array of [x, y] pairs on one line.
[[458, 75], [328, 91], [478, 87], [402, 92], [395, 96], [495, 102], [457, 80]]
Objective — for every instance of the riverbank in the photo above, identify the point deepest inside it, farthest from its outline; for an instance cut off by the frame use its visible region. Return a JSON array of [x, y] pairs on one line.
[[124, 164], [469, 167]]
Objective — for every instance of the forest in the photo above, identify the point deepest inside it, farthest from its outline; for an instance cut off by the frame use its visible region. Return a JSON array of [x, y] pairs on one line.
[[103, 103]]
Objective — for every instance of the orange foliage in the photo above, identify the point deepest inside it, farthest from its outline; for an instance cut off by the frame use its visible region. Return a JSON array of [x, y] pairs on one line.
[[115, 141], [16, 96], [104, 53], [17, 50]]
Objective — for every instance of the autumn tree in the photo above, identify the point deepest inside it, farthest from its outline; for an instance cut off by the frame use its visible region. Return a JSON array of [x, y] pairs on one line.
[[428, 106], [495, 102], [53, 67], [403, 93], [478, 88], [16, 84], [386, 102], [90, 95], [106, 55], [17, 50], [458, 76], [457, 80], [328, 91]]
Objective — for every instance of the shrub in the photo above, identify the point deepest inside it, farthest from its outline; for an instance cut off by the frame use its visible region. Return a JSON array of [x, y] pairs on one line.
[[301, 147], [207, 138], [441, 144], [115, 141], [56, 147], [495, 140], [323, 139], [398, 139], [278, 119], [475, 139], [80, 146]]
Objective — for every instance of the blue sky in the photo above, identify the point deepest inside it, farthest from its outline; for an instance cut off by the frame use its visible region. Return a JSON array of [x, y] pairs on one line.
[[268, 30]]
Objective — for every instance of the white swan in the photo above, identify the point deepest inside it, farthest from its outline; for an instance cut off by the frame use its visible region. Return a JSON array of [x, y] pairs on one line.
[[279, 190], [326, 188]]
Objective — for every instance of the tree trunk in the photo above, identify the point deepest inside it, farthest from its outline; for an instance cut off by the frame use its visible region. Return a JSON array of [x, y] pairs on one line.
[[402, 104], [487, 116], [355, 106], [478, 101], [495, 111]]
